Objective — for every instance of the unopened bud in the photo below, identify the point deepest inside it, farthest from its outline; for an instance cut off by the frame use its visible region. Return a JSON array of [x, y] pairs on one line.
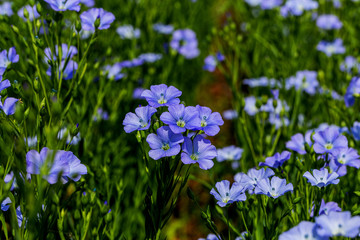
[[78, 26], [275, 103], [38, 8], [36, 85], [15, 29], [75, 130], [26, 13], [97, 23], [258, 103], [264, 99]]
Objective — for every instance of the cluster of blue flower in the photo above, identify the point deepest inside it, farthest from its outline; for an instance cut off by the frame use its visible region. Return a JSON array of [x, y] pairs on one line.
[[194, 122]]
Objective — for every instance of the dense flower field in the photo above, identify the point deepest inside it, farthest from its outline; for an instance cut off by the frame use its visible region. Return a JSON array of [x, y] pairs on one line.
[[191, 119]]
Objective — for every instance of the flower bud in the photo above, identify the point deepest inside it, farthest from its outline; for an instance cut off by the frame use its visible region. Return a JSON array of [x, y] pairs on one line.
[[26, 13], [77, 214], [92, 198], [275, 103], [36, 85], [54, 197], [97, 23], [48, 19], [78, 26], [85, 199], [258, 103], [321, 75], [75, 130], [264, 99], [39, 8], [108, 217], [307, 148], [15, 29], [156, 125], [32, 2], [38, 42], [38, 24], [26, 113]]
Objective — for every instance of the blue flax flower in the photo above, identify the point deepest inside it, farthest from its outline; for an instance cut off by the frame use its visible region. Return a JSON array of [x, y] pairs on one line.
[[328, 22], [137, 93], [4, 84], [210, 237], [274, 188], [114, 71], [88, 3], [212, 61], [179, 117], [270, 4], [262, 82], [8, 107], [348, 157], [355, 130], [68, 71], [297, 7], [330, 48], [230, 114], [5, 9], [231, 153], [250, 106], [76, 169], [304, 231], [338, 224], [321, 178], [329, 141], [89, 17], [128, 32], [33, 13], [150, 57], [349, 64], [100, 115], [184, 41], [64, 134], [5, 205], [297, 142], [64, 5], [326, 208], [352, 91], [59, 162], [253, 3], [162, 95], [164, 144], [19, 216], [304, 80], [207, 121], [252, 177], [162, 28], [199, 150], [7, 58], [226, 195], [10, 177], [66, 52], [139, 121], [277, 160]]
